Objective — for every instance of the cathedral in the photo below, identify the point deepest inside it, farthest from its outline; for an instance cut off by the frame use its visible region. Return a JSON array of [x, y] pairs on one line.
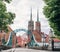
[[37, 30], [39, 36]]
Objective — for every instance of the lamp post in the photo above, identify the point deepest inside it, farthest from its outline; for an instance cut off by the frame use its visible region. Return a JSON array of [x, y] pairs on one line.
[[51, 39]]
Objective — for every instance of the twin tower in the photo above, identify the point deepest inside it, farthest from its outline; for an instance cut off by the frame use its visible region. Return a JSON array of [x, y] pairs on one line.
[[37, 24]]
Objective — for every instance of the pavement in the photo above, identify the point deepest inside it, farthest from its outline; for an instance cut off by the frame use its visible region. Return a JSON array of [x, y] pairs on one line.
[[26, 50]]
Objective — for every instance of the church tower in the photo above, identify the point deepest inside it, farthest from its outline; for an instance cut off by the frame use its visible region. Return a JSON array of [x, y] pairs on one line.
[[38, 25], [30, 24]]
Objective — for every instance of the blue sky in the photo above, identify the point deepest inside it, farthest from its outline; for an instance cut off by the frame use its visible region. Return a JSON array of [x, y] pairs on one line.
[[22, 10]]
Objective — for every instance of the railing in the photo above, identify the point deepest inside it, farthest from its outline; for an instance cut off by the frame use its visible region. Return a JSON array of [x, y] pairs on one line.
[[55, 46]]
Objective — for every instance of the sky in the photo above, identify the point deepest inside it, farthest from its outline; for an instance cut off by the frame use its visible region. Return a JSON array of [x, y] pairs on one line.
[[22, 9]]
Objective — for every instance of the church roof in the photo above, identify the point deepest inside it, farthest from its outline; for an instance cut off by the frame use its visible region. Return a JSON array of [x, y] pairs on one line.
[[37, 36]]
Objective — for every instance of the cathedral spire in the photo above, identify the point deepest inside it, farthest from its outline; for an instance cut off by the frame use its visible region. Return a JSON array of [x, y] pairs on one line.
[[37, 15], [30, 24], [38, 25], [31, 15]]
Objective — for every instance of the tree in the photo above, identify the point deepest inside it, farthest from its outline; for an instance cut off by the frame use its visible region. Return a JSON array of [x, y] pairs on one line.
[[52, 13], [6, 18]]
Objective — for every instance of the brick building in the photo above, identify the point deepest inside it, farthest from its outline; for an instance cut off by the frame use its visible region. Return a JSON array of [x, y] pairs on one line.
[[5, 36], [37, 31]]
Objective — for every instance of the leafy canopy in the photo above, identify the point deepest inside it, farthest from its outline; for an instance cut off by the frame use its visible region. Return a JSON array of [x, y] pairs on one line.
[[52, 13], [6, 18]]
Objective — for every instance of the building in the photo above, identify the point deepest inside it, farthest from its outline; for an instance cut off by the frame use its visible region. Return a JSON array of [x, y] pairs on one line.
[[30, 25], [37, 31], [21, 41], [5, 36]]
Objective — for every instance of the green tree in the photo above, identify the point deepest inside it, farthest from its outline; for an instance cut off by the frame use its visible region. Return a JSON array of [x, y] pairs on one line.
[[6, 18], [52, 13]]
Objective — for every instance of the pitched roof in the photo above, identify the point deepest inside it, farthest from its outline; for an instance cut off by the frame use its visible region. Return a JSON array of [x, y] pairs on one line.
[[56, 40], [37, 36]]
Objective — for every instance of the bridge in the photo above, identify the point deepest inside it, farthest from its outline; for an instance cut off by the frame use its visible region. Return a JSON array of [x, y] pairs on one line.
[[32, 42]]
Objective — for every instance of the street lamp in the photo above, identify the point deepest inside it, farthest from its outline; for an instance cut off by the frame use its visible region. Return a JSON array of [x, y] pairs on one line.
[[51, 33], [51, 39]]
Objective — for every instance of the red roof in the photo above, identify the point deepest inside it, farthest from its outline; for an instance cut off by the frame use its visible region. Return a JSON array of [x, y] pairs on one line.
[[37, 36], [56, 40]]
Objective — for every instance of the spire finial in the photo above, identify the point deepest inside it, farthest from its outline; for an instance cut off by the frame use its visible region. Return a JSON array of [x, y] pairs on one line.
[[37, 14], [31, 15]]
